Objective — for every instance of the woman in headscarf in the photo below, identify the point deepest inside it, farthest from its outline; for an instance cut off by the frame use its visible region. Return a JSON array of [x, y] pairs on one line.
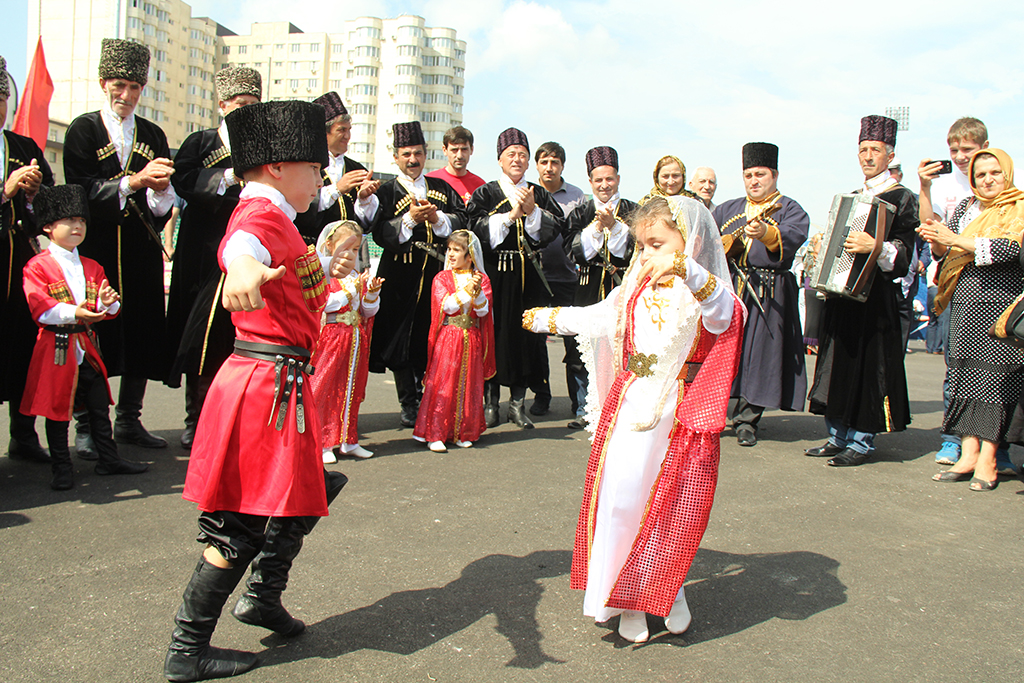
[[980, 277], [661, 351], [669, 180]]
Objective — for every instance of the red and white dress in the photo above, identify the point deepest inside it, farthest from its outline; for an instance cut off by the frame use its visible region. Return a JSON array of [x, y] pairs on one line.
[[460, 357], [240, 462], [342, 360], [56, 281]]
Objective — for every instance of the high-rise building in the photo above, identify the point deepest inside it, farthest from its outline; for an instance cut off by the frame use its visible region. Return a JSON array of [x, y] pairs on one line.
[[386, 70]]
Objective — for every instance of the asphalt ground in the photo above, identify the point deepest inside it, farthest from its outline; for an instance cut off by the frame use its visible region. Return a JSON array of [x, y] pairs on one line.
[[454, 567]]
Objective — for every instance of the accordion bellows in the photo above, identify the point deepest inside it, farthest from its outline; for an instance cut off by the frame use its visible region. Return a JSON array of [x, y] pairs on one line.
[[837, 271], [274, 132]]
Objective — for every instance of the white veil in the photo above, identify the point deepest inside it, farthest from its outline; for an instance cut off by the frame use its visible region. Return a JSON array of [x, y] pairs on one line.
[[475, 252]]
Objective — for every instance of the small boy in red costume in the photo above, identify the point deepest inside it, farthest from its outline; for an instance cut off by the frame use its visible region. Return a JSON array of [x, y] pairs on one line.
[[67, 293], [256, 472]]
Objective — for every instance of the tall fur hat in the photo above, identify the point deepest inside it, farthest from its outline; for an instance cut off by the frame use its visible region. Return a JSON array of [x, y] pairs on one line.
[[5, 82], [272, 132], [879, 128], [233, 81], [760, 154], [62, 201], [602, 156], [512, 136], [124, 59], [407, 135], [332, 104]]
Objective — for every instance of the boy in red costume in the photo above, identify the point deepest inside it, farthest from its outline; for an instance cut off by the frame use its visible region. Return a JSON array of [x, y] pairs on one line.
[[66, 294], [256, 471]]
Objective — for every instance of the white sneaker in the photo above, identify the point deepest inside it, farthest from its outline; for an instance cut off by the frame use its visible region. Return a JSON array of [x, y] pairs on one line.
[[356, 450], [678, 620], [329, 457], [464, 444], [437, 446], [633, 626]]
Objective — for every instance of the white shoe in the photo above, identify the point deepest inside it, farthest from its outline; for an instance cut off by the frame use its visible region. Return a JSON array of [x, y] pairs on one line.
[[437, 446], [678, 620], [633, 626], [356, 450], [464, 444], [329, 457], [419, 438]]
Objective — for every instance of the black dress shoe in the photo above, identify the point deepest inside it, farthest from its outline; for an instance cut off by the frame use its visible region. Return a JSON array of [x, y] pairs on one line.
[[517, 414], [826, 451], [491, 416], [85, 448], [409, 414], [187, 437], [121, 466], [848, 458], [32, 452], [745, 436], [63, 477], [540, 406], [578, 423], [135, 434]]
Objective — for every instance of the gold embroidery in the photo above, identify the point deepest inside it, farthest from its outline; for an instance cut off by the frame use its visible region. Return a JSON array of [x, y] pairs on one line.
[[528, 318], [640, 364], [311, 278], [708, 289], [104, 152], [658, 304], [679, 265], [552, 326], [60, 292]]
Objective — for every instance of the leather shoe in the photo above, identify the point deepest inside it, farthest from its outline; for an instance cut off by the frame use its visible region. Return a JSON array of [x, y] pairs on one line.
[[27, 451], [517, 415], [577, 423], [409, 414], [745, 436], [848, 458], [85, 448], [63, 477], [187, 437], [135, 434], [121, 466], [826, 451], [540, 406], [491, 416]]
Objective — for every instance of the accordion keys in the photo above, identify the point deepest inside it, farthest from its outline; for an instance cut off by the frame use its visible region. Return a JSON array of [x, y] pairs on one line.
[[837, 271]]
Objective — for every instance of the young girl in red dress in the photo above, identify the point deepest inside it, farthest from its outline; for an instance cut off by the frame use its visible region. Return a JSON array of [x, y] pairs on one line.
[[461, 349], [342, 352]]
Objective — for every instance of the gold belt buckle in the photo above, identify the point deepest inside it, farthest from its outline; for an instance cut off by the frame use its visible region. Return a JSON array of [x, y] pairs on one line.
[[640, 364]]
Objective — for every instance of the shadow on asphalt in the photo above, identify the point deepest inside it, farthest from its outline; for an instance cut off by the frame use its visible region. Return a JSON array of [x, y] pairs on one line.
[[728, 593], [408, 621]]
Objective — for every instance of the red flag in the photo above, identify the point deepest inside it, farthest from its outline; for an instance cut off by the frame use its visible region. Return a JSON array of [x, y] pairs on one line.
[[33, 117]]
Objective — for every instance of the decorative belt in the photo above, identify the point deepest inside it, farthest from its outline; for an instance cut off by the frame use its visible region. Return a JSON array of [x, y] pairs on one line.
[[765, 280], [465, 321], [289, 367], [507, 259], [347, 318], [640, 365], [62, 340]]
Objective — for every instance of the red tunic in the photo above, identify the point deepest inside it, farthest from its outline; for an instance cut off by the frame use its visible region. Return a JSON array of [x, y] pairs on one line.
[[341, 357], [459, 360], [240, 462], [50, 389]]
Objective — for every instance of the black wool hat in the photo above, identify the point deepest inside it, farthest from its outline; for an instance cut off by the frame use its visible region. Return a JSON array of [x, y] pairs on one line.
[[407, 135], [5, 83], [62, 201], [878, 128], [274, 132], [124, 59], [602, 156], [760, 154], [512, 136], [233, 81], [332, 104]]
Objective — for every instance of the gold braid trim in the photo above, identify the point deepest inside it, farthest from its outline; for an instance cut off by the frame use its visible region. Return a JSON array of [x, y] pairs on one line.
[[708, 289], [679, 265], [528, 317], [552, 328]]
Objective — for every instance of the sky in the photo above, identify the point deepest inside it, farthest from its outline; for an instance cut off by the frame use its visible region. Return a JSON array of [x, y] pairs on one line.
[[698, 80]]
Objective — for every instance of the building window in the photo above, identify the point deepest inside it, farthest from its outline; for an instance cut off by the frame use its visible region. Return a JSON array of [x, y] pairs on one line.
[[337, 49], [364, 32], [370, 71], [364, 129], [363, 109], [407, 69], [406, 89], [436, 79], [293, 84], [335, 84], [314, 47], [243, 49], [408, 51], [296, 47], [405, 109], [361, 148], [313, 83], [367, 51]]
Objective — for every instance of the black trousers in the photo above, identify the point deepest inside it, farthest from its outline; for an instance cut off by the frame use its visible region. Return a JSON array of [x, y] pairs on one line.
[[92, 399]]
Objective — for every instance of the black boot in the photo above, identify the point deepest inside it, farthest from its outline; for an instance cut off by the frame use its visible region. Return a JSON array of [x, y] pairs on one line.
[[408, 394], [260, 605], [84, 446], [128, 427], [63, 470], [516, 409], [195, 395], [492, 394], [190, 656], [24, 440]]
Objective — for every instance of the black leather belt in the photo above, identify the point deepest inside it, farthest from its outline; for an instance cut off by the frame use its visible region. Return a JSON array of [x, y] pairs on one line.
[[289, 367], [62, 340]]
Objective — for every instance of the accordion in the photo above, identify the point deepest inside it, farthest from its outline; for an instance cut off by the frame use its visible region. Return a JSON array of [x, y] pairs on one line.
[[837, 271]]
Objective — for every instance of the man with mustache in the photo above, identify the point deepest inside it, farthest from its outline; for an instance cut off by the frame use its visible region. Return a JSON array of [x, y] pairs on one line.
[[410, 217], [123, 162]]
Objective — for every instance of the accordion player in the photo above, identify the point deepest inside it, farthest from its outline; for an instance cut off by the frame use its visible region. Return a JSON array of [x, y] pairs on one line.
[[837, 271]]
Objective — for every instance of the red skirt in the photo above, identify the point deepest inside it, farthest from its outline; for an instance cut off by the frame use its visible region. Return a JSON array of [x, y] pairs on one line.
[[452, 407], [341, 357]]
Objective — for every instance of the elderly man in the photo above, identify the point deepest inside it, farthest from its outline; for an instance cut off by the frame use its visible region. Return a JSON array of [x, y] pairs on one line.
[[598, 240], [703, 184], [457, 146], [200, 335], [411, 217], [765, 229], [21, 175], [514, 219], [860, 384], [123, 162]]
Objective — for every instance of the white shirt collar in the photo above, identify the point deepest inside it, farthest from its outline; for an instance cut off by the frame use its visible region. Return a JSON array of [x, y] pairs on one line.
[[416, 187], [509, 188], [613, 202], [336, 161], [879, 184], [3, 157], [222, 131], [254, 189], [60, 252]]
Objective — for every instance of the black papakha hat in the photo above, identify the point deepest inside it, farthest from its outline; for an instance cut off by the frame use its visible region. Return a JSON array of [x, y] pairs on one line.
[[332, 104], [512, 136], [233, 81], [62, 201], [760, 154], [274, 132], [407, 135], [5, 83], [124, 59], [879, 128], [602, 156]]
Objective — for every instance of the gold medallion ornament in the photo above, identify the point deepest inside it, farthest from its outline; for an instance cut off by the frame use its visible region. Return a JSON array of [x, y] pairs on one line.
[[640, 364]]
